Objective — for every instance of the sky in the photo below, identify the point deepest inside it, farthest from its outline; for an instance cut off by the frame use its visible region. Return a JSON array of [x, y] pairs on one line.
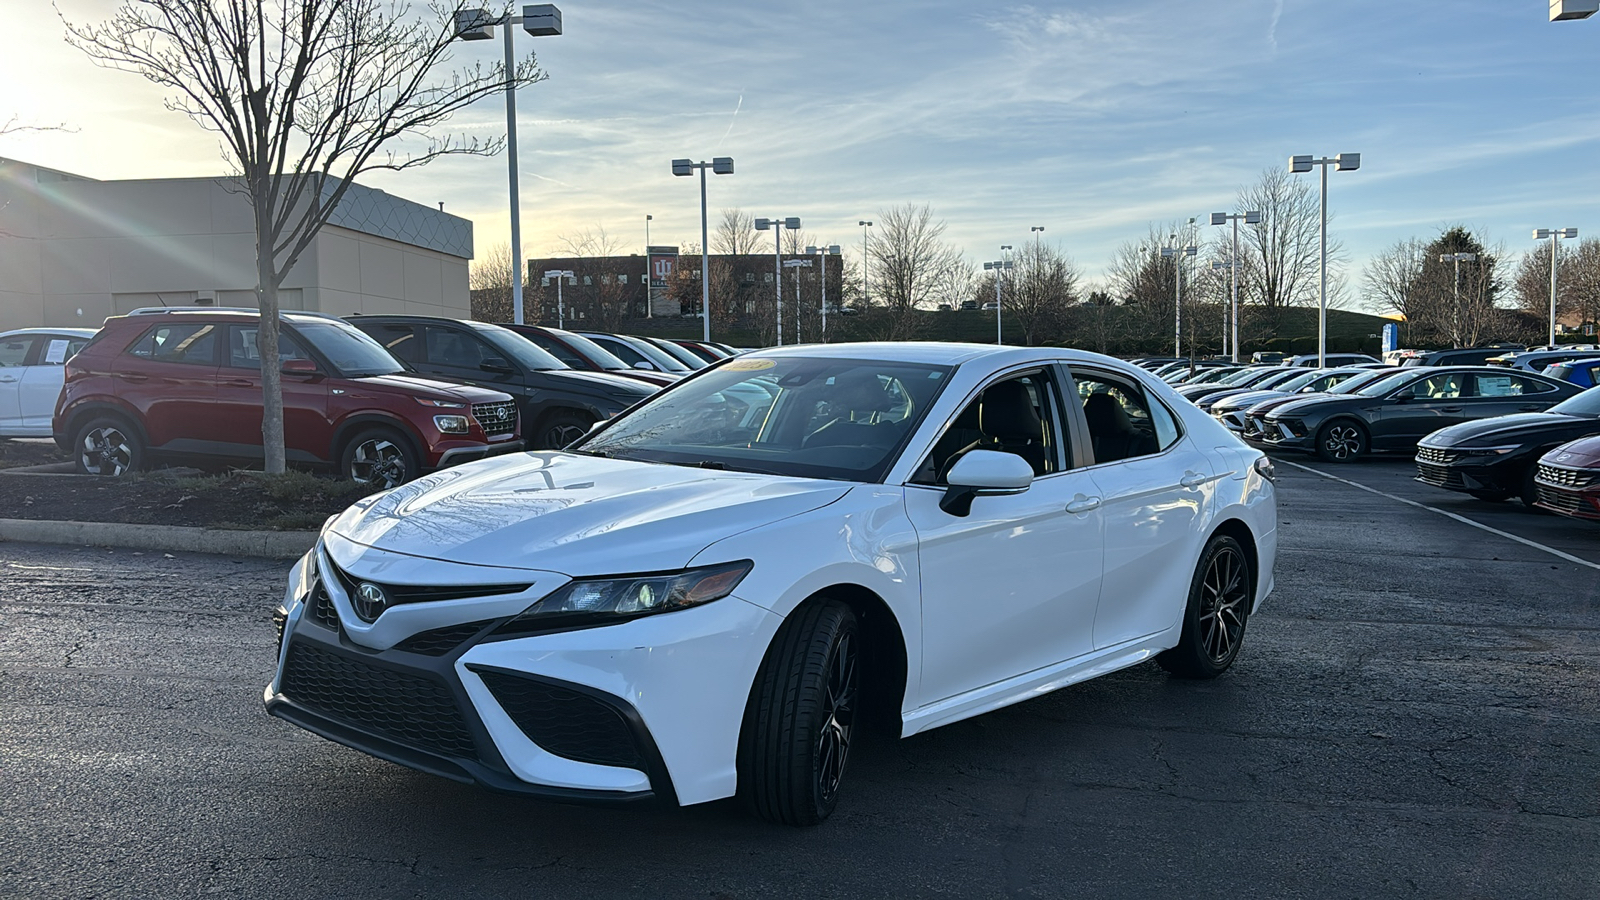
[[1092, 119]]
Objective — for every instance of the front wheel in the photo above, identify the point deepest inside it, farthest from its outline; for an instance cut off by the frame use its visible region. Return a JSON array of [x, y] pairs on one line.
[[1341, 442], [559, 429], [1220, 597], [801, 717], [379, 457], [108, 446]]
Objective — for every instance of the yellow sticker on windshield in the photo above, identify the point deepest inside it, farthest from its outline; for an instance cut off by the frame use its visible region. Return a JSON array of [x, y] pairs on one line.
[[748, 365]]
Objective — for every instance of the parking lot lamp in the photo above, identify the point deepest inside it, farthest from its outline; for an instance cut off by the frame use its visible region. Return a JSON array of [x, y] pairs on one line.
[[796, 265], [824, 252], [998, 266], [720, 165], [1344, 162], [539, 20], [1250, 218], [559, 275], [1456, 259], [1555, 235], [1564, 10], [865, 226], [649, 308], [1177, 254], [778, 225]]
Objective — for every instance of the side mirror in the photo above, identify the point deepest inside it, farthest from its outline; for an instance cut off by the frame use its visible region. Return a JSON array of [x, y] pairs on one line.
[[497, 365], [1402, 397], [983, 473], [641, 364], [298, 367]]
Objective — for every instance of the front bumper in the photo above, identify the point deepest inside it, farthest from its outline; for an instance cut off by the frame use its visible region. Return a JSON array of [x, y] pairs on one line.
[[649, 708], [1274, 435], [458, 455], [1455, 472]]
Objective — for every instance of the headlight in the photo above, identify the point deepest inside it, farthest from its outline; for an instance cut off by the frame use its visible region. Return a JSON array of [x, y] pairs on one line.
[[1264, 466], [441, 404], [603, 601], [452, 424], [1486, 451]]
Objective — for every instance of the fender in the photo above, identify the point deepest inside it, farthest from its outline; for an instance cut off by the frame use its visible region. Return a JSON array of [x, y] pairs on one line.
[[73, 417], [354, 421]]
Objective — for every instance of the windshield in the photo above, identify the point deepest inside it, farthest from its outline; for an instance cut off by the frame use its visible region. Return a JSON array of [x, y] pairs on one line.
[[1355, 382], [1277, 381], [1586, 404], [842, 419], [1245, 376], [578, 348], [1385, 385], [353, 353], [520, 349], [680, 353], [1299, 381], [666, 361]]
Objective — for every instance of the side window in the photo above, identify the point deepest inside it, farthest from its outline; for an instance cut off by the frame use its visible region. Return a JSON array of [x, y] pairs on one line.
[[1444, 386], [558, 350], [14, 351], [1123, 422], [400, 340], [189, 342], [59, 350], [1519, 386], [243, 354], [1016, 415], [450, 347]]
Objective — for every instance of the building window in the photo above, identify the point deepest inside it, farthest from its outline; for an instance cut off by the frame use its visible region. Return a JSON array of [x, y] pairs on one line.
[[750, 278], [545, 281], [767, 277], [622, 279], [588, 280]]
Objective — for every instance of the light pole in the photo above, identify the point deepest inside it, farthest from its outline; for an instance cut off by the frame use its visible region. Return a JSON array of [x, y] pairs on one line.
[[1554, 234], [796, 265], [1250, 218], [997, 267], [649, 307], [1177, 254], [560, 275], [778, 225], [719, 165], [865, 225], [1456, 259], [540, 20], [1218, 265], [824, 252], [1344, 162]]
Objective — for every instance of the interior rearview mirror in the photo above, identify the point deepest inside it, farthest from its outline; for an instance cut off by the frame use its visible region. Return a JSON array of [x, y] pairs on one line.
[[982, 473]]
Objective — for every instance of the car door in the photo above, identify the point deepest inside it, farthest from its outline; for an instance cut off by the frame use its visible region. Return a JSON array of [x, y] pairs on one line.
[[15, 352], [170, 376], [1502, 395], [1012, 586], [307, 433], [42, 379], [1153, 483], [456, 354], [1421, 408]]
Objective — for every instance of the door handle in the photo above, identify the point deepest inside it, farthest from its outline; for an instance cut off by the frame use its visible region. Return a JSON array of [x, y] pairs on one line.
[[135, 378], [8, 380], [239, 383], [1192, 480], [1450, 409], [1082, 504]]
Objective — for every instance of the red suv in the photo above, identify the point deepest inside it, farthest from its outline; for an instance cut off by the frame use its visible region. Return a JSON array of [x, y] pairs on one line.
[[187, 383]]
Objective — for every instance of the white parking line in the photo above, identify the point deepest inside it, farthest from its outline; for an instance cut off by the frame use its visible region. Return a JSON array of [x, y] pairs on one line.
[[1446, 513]]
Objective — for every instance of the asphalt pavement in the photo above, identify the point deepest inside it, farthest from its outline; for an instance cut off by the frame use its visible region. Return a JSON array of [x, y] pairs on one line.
[[1415, 713]]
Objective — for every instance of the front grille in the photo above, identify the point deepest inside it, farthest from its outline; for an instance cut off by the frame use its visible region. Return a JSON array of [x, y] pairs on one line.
[[411, 710], [1439, 476], [1255, 425], [280, 619], [415, 593], [1565, 477], [496, 418], [440, 641], [1435, 455], [322, 607], [1561, 501], [565, 722]]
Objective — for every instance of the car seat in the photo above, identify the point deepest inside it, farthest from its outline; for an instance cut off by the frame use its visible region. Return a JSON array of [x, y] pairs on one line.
[[1008, 423]]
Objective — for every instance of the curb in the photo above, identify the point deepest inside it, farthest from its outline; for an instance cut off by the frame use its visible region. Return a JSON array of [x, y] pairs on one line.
[[171, 538]]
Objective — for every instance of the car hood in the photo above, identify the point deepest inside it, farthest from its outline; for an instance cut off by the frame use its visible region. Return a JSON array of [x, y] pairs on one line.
[[428, 388], [1319, 403], [1245, 399], [1515, 429], [578, 515], [1579, 454], [599, 383]]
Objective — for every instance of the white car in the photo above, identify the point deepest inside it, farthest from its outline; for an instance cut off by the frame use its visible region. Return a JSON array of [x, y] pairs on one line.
[[32, 361], [704, 598]]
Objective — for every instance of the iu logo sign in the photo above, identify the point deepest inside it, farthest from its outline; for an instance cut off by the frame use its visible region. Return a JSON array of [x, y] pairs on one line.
[[369, 601], [662, 268]]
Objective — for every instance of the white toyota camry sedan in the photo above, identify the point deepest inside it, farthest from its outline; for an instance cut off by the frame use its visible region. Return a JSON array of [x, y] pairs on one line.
[[711, 594]]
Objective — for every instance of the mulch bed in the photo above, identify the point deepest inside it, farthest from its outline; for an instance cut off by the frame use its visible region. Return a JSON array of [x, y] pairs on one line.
[[29, 453], [241, 500]]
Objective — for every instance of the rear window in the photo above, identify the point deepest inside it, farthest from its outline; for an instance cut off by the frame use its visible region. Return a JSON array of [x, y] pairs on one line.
[[190, 343]]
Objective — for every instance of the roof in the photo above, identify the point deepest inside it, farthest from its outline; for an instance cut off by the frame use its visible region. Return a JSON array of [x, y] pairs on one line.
[[75, 332], [929, 352]]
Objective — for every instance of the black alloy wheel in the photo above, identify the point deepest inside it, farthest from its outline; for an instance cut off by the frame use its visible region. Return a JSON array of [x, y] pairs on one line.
[[562, 428], [107, 446], [1220, 597], [802, 715], [380, 458], [1341, 441]]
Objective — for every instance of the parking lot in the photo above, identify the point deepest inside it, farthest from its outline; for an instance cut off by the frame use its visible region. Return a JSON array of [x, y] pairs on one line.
[[1415, 714]]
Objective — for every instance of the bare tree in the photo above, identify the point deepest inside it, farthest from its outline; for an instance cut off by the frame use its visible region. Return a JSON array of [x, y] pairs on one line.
[[736, 234], [1037, 291], [1393, 281], [1279, 268], [306, 95], [913, 267], [489, 282], [600, 298]]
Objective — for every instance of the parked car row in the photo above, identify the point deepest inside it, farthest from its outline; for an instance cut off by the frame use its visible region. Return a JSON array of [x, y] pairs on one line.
[[379, 399]]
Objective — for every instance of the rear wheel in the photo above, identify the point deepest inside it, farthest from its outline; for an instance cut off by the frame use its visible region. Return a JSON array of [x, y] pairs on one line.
[[1341, 441], [802, 716], [107, 445], [1220, 596], [379, 457]]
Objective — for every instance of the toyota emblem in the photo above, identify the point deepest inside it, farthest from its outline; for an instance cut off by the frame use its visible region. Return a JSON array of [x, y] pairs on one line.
[[369, 601]]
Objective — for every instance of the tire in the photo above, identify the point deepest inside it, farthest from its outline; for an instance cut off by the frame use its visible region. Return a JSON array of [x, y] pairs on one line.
[[1341, 441], [1220, 597], [1492, 496], [802, 716], [1530, 491], [560, 428], [108, 445], [380, 457]]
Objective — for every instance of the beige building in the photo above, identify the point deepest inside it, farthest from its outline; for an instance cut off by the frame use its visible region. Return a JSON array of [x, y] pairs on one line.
[[74, 250]]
